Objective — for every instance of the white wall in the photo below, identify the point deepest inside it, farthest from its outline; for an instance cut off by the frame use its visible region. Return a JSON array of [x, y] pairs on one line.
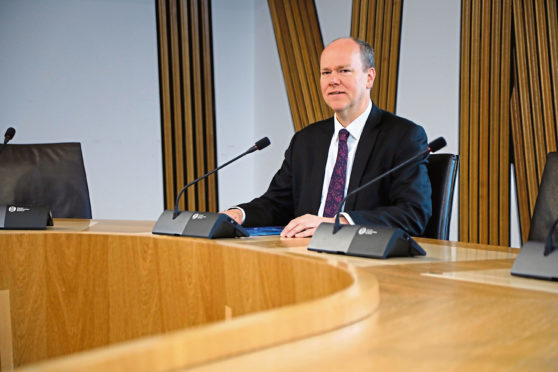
[[272, 110], [335, 18], [234, 64], [428, 82], [86, 71]]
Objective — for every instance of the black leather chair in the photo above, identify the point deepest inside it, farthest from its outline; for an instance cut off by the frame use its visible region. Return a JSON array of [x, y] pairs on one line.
[[49, 174], [442, 170], [546, 206]]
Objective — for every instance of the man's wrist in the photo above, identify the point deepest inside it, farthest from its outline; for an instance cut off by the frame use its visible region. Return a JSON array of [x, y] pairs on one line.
[[241, 211], [347, 217]]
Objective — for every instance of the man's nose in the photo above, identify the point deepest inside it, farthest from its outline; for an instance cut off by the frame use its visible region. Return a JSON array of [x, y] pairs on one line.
[[334, 80]]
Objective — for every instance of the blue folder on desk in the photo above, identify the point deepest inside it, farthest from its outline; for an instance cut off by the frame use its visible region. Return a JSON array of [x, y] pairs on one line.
[[264, 230]]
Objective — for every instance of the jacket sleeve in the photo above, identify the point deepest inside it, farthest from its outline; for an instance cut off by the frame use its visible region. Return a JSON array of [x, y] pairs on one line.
[[275, 206]]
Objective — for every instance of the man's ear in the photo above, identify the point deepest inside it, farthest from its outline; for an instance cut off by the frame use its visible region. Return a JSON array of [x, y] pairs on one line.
[[370, 76]]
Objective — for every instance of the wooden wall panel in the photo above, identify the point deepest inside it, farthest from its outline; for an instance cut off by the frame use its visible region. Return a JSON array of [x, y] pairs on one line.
[[484, 122], [379, 23], [187, 102], [299, 42], [500, 105], [536, 102]]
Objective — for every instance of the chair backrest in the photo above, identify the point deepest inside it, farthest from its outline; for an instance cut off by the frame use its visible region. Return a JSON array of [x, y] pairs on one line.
[[442, 170], [48, 174], [546, 206]]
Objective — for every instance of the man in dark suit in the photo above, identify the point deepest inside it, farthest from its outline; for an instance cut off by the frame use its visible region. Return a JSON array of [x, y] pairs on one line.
[[328, 159]]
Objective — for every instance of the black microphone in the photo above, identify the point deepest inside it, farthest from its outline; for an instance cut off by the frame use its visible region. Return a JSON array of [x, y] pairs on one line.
[[10, 133], [433, 146], [260, 145], [203, 224]]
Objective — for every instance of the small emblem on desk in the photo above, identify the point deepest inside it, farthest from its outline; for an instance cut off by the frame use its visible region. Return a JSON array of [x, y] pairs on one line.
[[13, 209], [366, 231]]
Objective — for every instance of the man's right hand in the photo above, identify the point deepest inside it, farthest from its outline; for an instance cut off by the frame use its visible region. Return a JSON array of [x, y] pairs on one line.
[[235, 214]]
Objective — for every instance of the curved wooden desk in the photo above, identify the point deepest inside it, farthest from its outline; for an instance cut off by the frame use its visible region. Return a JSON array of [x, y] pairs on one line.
[[147, 302], [458, 308]]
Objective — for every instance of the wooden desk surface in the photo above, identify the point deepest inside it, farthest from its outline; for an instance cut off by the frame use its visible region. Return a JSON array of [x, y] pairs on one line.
[[458, 308]]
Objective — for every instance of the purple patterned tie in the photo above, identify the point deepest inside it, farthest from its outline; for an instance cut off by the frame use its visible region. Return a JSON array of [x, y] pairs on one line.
[[336, 190]]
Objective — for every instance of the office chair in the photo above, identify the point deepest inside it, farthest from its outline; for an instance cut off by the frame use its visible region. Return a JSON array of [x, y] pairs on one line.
[[442, 170], [546, 206], [49, 174]]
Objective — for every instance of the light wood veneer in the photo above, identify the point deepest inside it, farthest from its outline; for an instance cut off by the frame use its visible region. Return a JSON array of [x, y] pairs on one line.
[[147, 302]]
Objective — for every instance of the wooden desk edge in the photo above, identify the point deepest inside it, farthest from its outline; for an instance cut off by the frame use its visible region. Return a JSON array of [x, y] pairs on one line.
[[188, 347]]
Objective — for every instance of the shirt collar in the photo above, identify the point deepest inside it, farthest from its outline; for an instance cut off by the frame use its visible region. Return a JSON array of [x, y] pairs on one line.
[[356, 126]]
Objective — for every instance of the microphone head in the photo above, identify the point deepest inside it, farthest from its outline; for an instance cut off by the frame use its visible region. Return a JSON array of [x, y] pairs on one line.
[[437, 144], [10, 133], [263, 143]]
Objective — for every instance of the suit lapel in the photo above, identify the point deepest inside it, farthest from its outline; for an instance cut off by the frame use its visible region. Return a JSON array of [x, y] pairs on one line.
[[364, 151], [319, 150]]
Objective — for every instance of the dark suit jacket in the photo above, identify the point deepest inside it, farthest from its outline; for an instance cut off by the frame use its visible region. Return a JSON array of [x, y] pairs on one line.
[[402, 199]]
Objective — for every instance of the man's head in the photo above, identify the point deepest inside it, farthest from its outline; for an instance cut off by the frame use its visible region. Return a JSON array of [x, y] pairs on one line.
[[347, 76]]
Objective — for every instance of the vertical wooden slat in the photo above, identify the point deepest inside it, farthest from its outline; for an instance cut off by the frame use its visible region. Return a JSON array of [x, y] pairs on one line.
[[301, 61], [385, 56], [519, 158], [504, 135], [197, 50], [545, 77], [377, 44], [524, 93], [186, 80], [166, 125], [176, 84], [394, 53], [484, 119], [186, 155], [314, 39], [534, 87], [474, 127], [494, 125], [464, 120], [286, 55], [209, 117], [484, 133], [313, 64], [552, 19], [299, 43], [379, 23]]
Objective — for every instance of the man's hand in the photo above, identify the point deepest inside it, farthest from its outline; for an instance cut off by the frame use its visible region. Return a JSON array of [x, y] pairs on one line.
[[235, 214], [304, 226]]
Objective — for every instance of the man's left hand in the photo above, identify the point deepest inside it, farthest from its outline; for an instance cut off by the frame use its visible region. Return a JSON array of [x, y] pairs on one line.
[[304, 226]]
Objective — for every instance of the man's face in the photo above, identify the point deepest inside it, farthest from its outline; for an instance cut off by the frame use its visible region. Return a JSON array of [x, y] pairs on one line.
[[344, 83]]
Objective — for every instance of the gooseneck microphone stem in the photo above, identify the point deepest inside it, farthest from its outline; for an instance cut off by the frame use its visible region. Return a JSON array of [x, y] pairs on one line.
[[432, 147], [176, 209], [261, 144]]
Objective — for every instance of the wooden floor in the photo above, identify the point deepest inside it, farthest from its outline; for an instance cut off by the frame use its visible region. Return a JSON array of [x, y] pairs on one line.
[[458, 308]]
